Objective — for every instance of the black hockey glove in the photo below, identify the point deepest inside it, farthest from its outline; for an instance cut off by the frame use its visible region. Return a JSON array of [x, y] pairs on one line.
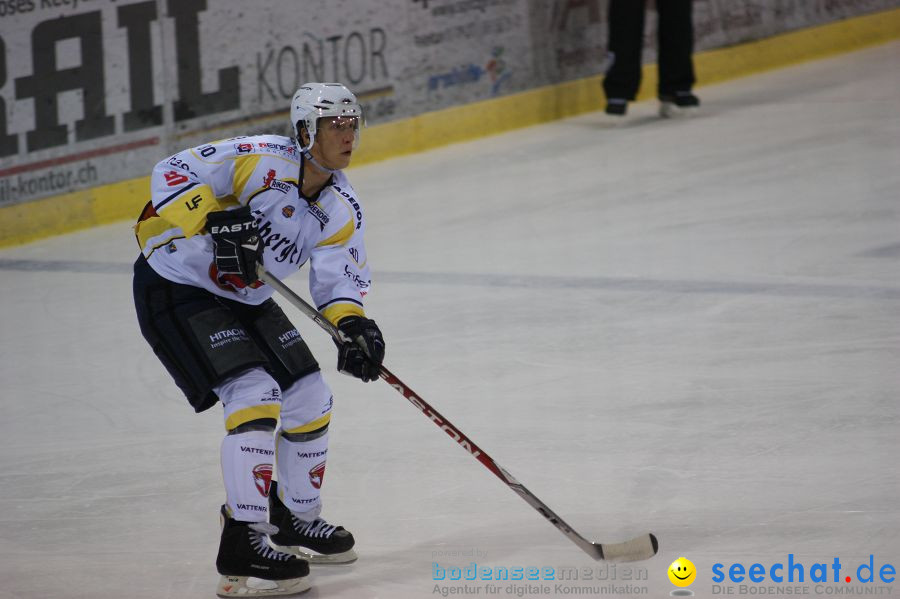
[[236, 243], [362, 355]]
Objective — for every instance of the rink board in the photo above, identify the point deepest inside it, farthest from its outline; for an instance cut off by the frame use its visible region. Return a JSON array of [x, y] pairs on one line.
[[29, 220]]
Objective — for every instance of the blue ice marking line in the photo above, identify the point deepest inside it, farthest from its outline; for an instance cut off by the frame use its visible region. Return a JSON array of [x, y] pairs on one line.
[[884, 251], [537, 282], [621, 284], [78, 266]]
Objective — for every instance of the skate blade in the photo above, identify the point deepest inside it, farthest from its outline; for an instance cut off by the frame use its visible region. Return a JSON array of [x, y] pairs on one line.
[[613, 121], [668, 110], [250, 586], [319, 559]]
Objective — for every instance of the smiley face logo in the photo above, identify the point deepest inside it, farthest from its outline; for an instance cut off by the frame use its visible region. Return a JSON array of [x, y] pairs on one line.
[[682, 572]]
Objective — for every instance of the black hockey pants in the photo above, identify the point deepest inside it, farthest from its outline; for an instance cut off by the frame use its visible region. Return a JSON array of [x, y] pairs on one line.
[[202, 338]]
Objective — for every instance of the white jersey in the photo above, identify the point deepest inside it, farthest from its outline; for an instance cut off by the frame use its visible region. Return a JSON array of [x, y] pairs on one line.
[[262, 172]]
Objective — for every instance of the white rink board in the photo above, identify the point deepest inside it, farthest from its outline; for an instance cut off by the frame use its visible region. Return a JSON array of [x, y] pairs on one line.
[[97, 91], [689, 327]]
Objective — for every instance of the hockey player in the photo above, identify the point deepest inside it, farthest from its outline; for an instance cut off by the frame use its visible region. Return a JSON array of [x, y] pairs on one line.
[[216, 211]]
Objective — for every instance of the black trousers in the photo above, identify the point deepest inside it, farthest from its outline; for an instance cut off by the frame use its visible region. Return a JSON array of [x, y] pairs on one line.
[[675, 43]]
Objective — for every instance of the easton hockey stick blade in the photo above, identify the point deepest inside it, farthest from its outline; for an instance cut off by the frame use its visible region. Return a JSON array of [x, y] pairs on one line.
[[639, 548]]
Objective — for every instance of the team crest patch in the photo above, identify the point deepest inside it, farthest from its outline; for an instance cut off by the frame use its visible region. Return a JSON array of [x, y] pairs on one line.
[[262, 477], [316, 475], [288, 211]]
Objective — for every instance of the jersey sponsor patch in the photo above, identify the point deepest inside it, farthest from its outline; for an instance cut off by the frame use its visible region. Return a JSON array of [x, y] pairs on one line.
[[177, 162], [320, 215], [353, 203], [361, 283], [282, 186], [279, 247], [277, 148], [174, 178], [243, 148]]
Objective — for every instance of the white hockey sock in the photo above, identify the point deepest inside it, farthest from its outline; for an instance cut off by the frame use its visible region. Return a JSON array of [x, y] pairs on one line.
[[247, 470], [301, 470]]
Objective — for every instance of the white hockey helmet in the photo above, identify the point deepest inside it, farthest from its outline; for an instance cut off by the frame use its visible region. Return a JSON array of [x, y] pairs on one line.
[[313, 101]]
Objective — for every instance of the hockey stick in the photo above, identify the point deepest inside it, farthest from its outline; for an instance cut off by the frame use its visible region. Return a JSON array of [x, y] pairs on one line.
[[639, 548]]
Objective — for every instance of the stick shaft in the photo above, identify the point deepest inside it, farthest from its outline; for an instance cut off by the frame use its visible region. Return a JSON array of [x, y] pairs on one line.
[[592, 549], [488, 462]]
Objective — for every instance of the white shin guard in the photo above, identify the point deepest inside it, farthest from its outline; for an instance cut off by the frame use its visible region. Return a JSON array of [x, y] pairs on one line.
[[247, 469], [301, 470]]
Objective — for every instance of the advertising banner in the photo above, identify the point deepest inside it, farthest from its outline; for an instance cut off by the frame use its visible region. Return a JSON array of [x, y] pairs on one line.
[[97, 91]]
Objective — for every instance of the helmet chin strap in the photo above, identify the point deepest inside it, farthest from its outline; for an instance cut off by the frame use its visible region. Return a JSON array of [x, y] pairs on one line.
[[305, 156], [308, 156]]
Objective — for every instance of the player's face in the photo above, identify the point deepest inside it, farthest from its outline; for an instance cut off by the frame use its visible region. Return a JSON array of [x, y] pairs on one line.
[[334, 141]]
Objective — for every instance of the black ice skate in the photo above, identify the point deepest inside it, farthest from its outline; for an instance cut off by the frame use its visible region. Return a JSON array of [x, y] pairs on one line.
[[318, 541], [616, 106], [250, 568], [678, 104]]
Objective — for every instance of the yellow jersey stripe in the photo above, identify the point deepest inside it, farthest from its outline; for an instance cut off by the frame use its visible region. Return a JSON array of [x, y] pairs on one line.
[[340, 237], [189, 210], [311, 426], [146, 230], [163, 243], [335, 312], [253, 413], [149, 230], [243, 168]]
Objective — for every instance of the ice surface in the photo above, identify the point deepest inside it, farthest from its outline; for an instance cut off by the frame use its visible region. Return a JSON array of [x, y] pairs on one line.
[[685, 326]]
